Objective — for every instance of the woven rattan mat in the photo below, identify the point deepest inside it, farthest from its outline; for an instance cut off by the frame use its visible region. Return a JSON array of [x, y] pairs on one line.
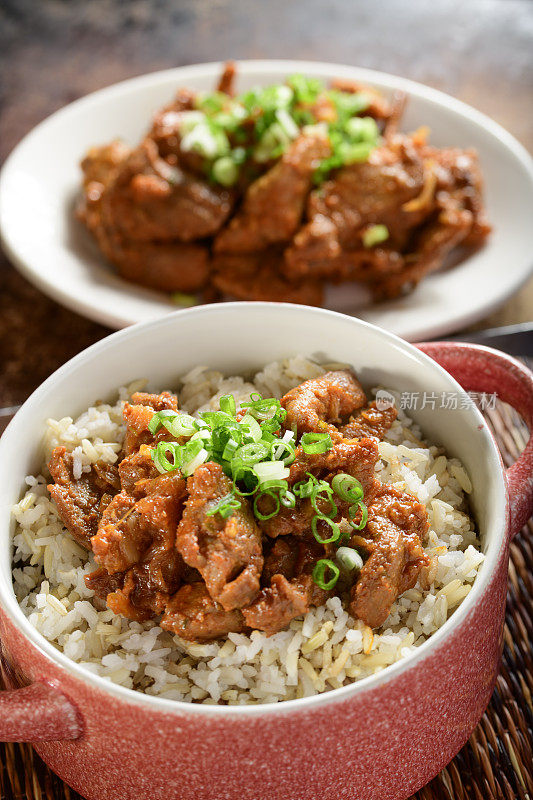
[[497, 761]]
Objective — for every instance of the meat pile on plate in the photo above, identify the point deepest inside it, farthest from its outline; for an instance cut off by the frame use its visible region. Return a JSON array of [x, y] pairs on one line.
[[278, 233]]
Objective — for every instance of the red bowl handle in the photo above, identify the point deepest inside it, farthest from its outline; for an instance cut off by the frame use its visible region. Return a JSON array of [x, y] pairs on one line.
[[37, 713], [481, 369]]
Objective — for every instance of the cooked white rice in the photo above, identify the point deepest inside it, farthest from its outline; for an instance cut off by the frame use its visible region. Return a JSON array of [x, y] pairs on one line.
[[321, 651]]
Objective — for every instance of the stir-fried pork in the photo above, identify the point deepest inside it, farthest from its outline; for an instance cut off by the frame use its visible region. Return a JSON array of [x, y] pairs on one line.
[[226, 552], [164, 549]]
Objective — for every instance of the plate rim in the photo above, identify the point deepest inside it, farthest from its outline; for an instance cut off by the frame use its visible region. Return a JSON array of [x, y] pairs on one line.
[[114, 318]]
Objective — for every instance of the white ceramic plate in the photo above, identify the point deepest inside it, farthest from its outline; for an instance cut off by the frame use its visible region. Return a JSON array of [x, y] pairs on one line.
[[41, 179]]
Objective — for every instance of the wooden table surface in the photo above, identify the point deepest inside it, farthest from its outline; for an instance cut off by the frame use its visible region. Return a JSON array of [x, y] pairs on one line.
[[52, 52]]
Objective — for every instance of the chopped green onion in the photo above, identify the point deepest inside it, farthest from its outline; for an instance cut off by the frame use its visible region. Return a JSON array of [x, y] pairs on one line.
[[317, 495], [180, 425], [364, 516], [225, 171], [191, 465], [280, 446], [225, 506], [271, 470], [227, 404], [246, 475], [207, 140], [348, 104], [304, 489], [362, 129], [333, 525], [259, 514], [319, 573], [184, 300], [288, 499], [355, 152], [157, 419], [265, 408], [188, 120], [315, 443], [349, 559], [306, 90], [287, 123], [251, 428], [253, 452], [159, 456], [375, 234], [347, 487]]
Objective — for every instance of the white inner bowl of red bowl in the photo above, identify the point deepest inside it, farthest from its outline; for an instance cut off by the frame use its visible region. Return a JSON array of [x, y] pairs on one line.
[[240, 338]]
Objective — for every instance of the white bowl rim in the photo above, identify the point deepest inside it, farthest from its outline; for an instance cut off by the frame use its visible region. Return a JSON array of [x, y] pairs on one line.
[[10, 606], [210, 68]]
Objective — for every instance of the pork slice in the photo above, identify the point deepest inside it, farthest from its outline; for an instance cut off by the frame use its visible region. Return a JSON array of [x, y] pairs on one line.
[[226, 552], [370, 421], [274, 203], [80, 501], [316, 404], [397, 525], [192, 614]]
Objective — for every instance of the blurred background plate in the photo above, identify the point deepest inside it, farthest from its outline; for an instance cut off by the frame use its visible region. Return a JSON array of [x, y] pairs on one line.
[[40, 182]]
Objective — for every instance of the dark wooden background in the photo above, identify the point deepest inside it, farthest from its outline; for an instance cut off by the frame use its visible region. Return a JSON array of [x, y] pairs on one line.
[[53, 51]]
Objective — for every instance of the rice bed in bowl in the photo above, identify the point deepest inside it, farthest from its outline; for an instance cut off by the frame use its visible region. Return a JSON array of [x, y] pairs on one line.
[[324, 650]]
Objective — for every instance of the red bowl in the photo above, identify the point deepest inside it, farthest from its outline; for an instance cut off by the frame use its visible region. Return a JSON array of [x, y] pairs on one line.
[[381, 738]]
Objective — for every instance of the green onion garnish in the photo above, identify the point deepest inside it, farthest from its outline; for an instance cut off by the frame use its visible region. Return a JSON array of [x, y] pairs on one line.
[[225, 171], [319, 573], [184, 300], [315, 443], [336, 531], [272, 513], [347, 487], [364, 516], [349, 559], [259, 125], [225, 506], [257, 462], [375, 234], [228, 405]]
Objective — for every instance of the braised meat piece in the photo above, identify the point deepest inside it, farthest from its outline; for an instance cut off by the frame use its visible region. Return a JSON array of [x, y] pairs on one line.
[[135, 544], [274, 203], [454, 215], [80, 501], [130, 530], [138, 414], [280, 560], [151, 200], [290, 594], [148, 586], [135, 470], [370, 421], [226, 552], [257, 276], [193, 614], [165, 130], [100, 164], [362, 194], [102, 583], [397, 525], [166, 266], [282, 601], [355, 457], [317, 404], [227, 79]]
